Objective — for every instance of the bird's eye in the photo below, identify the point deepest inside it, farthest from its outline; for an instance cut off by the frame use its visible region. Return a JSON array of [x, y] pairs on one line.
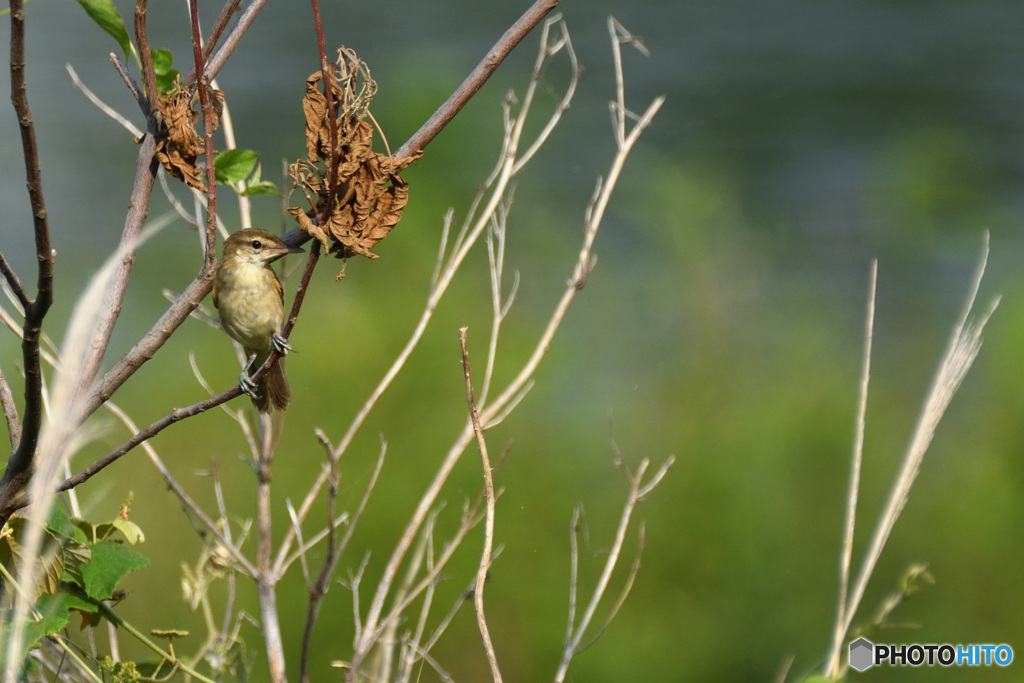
[[256, 244]]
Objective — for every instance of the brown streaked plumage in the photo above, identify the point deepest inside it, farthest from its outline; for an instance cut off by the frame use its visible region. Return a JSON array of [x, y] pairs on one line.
[[250, 301]]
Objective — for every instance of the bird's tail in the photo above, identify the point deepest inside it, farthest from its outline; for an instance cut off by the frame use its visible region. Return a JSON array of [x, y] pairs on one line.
[[274, 390]]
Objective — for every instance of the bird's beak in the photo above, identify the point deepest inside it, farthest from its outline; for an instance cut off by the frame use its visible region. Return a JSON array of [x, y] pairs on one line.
[[275, 253]]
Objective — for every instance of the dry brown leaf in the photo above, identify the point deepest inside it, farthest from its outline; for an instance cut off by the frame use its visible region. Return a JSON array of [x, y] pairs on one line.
[[368, 195], [180, 149]]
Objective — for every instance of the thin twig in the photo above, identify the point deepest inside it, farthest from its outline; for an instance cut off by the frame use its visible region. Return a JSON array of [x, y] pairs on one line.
[[494, 57], [334, 555], [207, 107], [100, 104], [142, 40], [637, 489], [485, 556], [266, 578], [133, 86], [332, 117], [216, 32], [216, 63], [149, 432], [10, 409], [475, 225], [12, 279]]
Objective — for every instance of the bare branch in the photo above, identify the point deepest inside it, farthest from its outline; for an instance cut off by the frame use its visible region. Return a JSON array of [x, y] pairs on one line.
[[149, 432], [574, 639], [133, 86], [331, 561], [19, 468], [100, 104], [248, 16], [447, 111], [216, 32], [142, 40], [208, 126], [485, 556]]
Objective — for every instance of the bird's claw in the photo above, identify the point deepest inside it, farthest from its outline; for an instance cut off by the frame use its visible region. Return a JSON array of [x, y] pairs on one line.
[[245, 383], [280, 344], [248, 387]]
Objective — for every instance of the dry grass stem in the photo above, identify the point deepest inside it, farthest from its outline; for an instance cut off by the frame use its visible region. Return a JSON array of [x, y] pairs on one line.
[[850, 519], [962, 349]]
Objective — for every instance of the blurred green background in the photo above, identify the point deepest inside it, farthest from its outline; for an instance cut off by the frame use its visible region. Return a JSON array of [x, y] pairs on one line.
[[722, 324]]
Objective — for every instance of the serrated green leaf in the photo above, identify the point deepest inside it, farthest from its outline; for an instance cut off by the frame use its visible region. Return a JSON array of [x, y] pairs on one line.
[[76, 556], [110, 563], [76, 602], [107, 18], [234, 165]]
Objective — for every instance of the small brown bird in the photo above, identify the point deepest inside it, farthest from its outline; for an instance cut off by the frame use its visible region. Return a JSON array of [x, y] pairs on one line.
[[250, 301]]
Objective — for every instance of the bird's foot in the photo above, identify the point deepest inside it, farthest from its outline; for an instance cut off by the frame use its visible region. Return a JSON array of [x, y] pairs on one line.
[[245, 383], [280, 344]]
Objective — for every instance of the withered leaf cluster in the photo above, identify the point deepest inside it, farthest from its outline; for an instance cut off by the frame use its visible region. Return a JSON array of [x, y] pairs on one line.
[[179, 150], [368, 194]]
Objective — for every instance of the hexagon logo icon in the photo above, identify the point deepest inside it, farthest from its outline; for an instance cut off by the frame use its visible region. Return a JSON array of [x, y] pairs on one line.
[[862, 654]]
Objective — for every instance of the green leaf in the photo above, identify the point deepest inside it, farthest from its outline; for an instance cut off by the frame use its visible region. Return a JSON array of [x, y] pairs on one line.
[[110, 563], [49, 563], [163, 61], [130, 530], [262, 187], [60, 524], [107, 18], [54, 618], [234, 165]]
